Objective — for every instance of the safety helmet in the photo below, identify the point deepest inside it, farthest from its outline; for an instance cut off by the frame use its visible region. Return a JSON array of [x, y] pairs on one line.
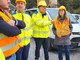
[[42, 3], [21, 1], [62, 8]]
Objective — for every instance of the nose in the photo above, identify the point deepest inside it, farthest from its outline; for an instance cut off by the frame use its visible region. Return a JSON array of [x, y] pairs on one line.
[[8, 1]]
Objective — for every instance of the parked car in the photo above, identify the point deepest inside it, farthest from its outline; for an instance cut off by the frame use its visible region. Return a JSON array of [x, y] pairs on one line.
[[77, 16], [75, 36], [11, 8]]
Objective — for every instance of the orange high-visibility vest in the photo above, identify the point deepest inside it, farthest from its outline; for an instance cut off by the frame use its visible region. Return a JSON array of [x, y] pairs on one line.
[[9, 45], [62, 29]]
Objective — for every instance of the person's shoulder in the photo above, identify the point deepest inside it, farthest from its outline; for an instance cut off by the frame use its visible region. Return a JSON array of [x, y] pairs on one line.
[[14, 13], [27, 15], [67, 18], [36, 12]]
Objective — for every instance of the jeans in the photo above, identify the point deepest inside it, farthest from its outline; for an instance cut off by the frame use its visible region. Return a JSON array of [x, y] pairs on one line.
[[44, 43], [13, 57], [22, 53], [67, 52]]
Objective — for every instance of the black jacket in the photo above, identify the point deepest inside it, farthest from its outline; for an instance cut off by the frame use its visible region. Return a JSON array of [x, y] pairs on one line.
[[9, 30]]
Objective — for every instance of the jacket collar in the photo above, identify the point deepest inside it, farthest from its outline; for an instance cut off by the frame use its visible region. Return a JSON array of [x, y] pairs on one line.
[[18, 12], [41, 13]]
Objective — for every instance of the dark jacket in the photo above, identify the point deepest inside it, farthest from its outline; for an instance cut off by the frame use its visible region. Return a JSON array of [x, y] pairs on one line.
[[63, 40], [9, 30]]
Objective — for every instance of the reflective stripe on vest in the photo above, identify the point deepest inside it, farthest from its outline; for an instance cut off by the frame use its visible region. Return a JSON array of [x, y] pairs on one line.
[[11, 51], [26, 29], [62, 29], [2, 36], [7, 18], [26, 32], [10, 48], [9, 45], [41, 23], [25, 38], [37, 32]]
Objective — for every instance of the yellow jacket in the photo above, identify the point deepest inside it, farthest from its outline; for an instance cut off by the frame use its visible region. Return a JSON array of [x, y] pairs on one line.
[[40, 25], [27, 31], [1, 55]]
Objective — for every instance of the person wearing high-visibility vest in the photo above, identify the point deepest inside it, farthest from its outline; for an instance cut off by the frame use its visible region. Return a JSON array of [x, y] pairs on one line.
[[1, 55], [41, 29], [9, 30], [22, 53], [62, 29]]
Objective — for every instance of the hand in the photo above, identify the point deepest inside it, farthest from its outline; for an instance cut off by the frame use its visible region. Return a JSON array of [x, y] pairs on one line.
[[52, 21], [11, 22]]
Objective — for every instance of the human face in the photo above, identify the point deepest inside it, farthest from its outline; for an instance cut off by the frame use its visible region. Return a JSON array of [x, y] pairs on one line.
[[8, 0], [42, 9], [61, 12], [4, 4], [20, 6]]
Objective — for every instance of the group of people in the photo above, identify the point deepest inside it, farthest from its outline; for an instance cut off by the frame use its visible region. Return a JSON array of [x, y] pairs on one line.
[[17, 29]]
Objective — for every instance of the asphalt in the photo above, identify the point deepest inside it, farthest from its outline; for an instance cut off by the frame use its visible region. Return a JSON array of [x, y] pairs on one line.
[[75, 55]]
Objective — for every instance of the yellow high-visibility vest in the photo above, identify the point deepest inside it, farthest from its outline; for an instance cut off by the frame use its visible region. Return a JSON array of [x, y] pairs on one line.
[[40, 25], [26, 33]]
